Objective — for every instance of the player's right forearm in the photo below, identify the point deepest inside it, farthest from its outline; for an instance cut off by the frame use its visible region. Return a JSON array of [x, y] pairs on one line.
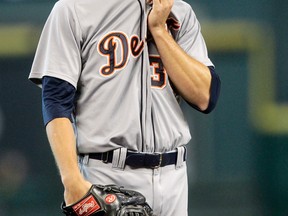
[[62, 141]]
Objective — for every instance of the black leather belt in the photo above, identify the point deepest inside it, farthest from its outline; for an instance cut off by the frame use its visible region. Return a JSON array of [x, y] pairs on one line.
[[141, 160]]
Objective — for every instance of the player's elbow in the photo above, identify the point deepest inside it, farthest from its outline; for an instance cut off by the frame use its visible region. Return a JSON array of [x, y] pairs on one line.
[[207, 101], [200, 103], [204, 104]]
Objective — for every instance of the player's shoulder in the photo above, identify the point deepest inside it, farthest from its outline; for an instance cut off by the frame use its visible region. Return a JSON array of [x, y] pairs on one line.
[[65, 8], [65, 4], [183, 8], [182, 3]]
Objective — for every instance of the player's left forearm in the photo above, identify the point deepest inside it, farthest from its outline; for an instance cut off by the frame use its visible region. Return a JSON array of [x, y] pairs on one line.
[[191, 78]]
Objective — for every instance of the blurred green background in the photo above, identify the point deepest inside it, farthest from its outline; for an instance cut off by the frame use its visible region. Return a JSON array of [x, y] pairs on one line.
[[238, 157]]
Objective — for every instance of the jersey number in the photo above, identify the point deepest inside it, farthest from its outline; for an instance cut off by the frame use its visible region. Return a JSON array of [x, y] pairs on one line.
[[158, 77]]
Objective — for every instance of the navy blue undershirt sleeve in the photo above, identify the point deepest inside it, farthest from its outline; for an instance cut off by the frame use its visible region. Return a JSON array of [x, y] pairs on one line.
[[57, 99], [214, 91]]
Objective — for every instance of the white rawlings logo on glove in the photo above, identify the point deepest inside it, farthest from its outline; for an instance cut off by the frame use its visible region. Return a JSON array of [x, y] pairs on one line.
[[87, 206]]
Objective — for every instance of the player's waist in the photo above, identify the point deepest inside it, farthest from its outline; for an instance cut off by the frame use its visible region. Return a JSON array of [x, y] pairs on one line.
[[142, 159]]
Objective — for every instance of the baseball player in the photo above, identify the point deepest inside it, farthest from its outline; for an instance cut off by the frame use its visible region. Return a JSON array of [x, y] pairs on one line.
[[112, 73]]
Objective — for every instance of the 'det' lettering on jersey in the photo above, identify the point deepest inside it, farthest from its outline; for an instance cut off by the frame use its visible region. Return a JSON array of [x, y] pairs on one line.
[[109, 45]]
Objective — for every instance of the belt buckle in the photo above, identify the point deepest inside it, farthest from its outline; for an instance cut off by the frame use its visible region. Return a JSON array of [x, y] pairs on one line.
[[160, 161]]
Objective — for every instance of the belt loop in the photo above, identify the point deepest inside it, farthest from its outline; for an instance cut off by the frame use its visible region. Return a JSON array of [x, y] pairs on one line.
[[119, 157], [85, 159], [180, 157], [122, 158], [115, 159]]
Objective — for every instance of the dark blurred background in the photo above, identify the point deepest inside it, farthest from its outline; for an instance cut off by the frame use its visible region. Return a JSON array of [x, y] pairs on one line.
[[238, 157]]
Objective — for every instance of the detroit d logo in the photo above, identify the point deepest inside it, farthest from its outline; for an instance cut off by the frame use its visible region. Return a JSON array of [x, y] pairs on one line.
[[116, 47]]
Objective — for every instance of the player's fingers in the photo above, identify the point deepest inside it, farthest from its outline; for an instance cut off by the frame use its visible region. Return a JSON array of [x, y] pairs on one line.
[[159, 14], [156, 3], [166, 3]]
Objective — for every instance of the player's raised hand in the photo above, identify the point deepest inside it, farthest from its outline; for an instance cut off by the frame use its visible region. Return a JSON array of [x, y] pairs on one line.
[[159, 14]]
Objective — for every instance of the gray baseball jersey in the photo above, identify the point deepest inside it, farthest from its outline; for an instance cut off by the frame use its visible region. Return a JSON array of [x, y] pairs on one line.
[[124, 97]]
